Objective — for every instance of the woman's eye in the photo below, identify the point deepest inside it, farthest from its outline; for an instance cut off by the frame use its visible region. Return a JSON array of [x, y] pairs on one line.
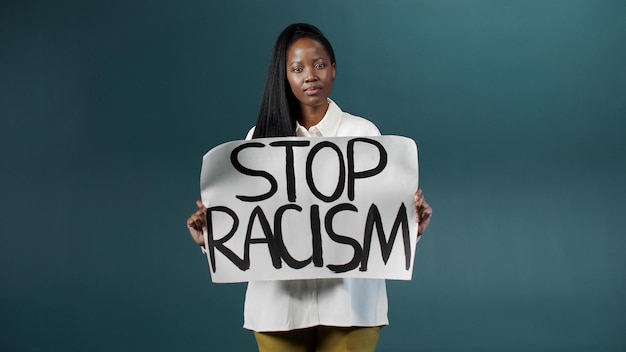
[[297, 69], [320, 65]]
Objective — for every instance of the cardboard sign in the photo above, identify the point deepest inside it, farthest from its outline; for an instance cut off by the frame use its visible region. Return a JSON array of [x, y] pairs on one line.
[[303, 208]]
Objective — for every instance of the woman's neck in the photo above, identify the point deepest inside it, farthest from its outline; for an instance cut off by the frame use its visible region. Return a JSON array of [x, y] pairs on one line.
[[312, 115]]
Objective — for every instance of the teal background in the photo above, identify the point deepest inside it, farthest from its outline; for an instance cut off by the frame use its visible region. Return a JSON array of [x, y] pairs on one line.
[[518, 108]]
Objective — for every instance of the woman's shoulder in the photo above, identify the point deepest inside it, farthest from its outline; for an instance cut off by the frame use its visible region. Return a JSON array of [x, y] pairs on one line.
[[351, 125]]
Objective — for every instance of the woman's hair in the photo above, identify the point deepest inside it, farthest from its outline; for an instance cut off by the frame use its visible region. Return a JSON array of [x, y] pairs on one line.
[[279, 108]]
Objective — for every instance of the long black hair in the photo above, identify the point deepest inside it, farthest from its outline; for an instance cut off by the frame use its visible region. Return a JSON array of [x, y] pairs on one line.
[[279, 108]]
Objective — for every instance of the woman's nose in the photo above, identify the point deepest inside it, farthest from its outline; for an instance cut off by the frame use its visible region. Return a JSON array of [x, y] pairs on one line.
[[310, 76]]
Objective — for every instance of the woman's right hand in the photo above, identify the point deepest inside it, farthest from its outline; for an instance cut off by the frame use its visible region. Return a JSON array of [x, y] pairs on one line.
[[196, 224]]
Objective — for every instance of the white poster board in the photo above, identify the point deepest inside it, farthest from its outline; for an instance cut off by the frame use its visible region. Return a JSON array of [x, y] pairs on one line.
[[303, 208]]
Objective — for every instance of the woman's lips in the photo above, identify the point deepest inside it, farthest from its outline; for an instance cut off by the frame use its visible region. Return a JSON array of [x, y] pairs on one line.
[[312, 90]]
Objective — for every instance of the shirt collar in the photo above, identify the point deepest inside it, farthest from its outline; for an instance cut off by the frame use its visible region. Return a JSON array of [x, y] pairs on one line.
[[327, 127]]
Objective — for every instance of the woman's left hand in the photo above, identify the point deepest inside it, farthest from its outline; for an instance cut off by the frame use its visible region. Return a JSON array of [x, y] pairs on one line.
[[423, 211]]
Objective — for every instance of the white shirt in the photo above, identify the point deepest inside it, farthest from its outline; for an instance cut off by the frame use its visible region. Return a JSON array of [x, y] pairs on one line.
[[297, 304]]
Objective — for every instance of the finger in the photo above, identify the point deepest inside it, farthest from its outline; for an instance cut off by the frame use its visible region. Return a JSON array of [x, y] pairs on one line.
[[419, 198], [425, 208], [196, 222], [193, 225], [418, 207], [426, 216], [425, 212], [197, 235], [200, 205], [422, 226], [199, 216], [201, 222]]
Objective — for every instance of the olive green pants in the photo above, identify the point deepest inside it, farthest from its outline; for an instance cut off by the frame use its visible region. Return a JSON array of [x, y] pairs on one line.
[[319, 339]]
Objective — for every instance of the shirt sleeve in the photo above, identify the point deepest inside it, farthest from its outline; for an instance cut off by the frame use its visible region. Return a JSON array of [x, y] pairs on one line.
[[250, 133]]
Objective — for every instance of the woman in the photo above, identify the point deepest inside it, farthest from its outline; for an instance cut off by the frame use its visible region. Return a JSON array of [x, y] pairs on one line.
[[322, 314]]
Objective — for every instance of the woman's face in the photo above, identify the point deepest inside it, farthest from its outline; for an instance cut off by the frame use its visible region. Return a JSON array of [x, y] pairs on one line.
[[310, 72]]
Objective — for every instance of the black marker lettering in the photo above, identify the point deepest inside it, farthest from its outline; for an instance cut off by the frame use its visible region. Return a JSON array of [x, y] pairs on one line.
[[269, 238], [309, 172], [316, 232], [280, 244], [213, 244], [328, 222], [291, 179], [246, 171], [353, 175], [374, 219]]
